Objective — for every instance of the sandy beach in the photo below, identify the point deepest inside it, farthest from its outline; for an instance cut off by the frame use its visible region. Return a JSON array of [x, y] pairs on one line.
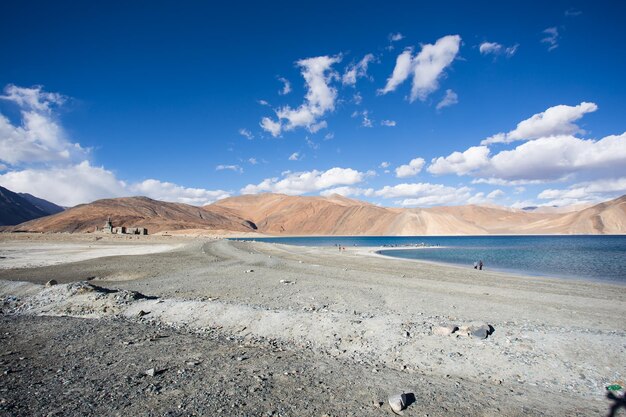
[[250, 328]]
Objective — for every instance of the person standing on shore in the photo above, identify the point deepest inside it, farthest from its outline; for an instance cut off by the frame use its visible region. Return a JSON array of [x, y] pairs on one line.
[[480, 265]]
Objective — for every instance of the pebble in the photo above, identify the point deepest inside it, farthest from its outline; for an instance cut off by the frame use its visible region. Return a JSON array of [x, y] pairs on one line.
[[150, 372], [444, 330]]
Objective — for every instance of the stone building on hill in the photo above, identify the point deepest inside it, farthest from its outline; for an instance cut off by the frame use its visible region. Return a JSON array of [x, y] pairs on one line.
[[121, 230]]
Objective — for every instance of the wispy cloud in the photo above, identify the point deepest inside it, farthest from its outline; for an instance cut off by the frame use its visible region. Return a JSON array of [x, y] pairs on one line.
[[494, 48], [246, 134], [449, 99], [286, 86], [551, 38], [234, 168]]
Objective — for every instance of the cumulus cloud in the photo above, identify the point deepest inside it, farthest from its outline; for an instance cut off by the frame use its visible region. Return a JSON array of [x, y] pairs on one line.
[[449, 99], [68, 185], [411, 169], [557, 120], [349, 191], [235, 168], [426, 67], [319, 99], [39, 137], [358, 70], [551, 38], [286, 86], [246, 134], [425, 194], [389, 123], [295, 183], [552, 158], [494, 48], [167, 191], [590, 191], [83, 183], [461, 163], [271, 126]]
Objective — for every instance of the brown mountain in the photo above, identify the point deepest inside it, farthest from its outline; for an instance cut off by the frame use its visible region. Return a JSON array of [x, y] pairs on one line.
[[278, 214], [138, 212]]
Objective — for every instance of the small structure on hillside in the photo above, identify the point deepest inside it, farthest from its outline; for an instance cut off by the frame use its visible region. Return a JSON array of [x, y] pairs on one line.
[[121, 230]]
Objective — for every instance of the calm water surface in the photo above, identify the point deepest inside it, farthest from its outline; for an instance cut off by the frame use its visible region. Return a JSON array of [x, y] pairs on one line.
[[591, 257]]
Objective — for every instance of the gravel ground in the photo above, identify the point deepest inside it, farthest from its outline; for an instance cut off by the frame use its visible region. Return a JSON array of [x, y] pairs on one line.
[[241, 328]]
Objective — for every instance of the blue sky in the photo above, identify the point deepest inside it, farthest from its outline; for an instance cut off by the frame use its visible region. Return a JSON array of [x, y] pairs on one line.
[[399, 104]]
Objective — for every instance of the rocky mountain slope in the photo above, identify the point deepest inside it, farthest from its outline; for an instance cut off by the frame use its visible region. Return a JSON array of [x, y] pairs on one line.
[[16, 208]]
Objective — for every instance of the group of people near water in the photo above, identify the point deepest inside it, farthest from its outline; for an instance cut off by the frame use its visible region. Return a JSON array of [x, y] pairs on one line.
[[478, 265]]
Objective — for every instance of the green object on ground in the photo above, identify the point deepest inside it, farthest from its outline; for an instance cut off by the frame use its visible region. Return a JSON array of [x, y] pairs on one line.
[[614, 387]]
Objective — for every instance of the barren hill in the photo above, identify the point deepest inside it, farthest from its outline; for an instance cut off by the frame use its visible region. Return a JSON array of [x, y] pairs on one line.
[[277, 214], [138, 212]]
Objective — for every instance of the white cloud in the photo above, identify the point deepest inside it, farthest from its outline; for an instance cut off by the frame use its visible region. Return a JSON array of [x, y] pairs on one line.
[[311, 144], [235, 168], [358, 70], [286, 86], [413, 168], [295, 156], [263, 103], [458, 163], [274, 128], [557, 120], [295, 183], [573, 12], [329, 136], [554, 157], [357, 98], [319, 99], [427, 67], [401, 71], [495, 48], [39, 138], [83, 183], [425, 194], [349, 191], [367, 122], [167, 191], [389, 123], [597, 190], [246, 134], [495, 194], [384, 164], [552, 38], [508, 183], [66, 186], [449, 99], [318, 126], [253, 161], [395, 37], [33, 99]]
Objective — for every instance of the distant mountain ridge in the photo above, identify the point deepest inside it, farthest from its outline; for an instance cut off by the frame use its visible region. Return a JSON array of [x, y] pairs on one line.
[[16, 208], [278, 214]]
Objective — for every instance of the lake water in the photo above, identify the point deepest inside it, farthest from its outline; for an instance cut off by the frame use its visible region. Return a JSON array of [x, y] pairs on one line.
[[589, 257]]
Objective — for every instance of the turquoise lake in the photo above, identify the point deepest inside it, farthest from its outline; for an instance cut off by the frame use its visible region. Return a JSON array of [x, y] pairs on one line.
[[579, 257]]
